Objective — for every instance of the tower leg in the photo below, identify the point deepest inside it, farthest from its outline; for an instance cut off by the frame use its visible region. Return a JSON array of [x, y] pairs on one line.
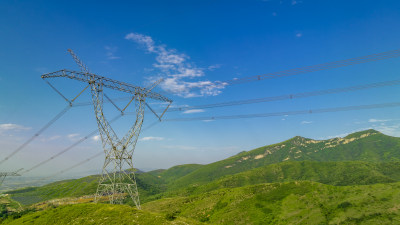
[[118, 179]]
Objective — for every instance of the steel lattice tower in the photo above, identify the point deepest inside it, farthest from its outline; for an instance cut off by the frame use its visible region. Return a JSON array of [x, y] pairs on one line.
[[116, 182]]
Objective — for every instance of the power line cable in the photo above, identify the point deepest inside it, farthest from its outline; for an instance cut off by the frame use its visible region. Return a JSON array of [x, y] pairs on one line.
[[314, 68], [290, 96], [325, 110], [277, 98], [58, 116], [82, 162], [68, 148], [296, 71]]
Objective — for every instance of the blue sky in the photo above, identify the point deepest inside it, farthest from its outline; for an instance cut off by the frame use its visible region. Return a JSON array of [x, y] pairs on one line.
[[192, 45]]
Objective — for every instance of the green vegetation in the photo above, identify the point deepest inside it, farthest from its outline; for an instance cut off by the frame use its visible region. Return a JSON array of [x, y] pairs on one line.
[[333, 173], [351, 180], [96, 214], [367, 146], [289, 203]]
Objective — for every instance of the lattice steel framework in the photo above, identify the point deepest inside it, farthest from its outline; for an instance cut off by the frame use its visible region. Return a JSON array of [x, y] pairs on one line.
[[116, 182], [3, 175]]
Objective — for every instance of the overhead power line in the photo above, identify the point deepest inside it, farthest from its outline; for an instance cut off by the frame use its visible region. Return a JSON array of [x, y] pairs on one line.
[[58, 116], [296, 71], [311, 111], [68, 148], [290, 96], [314, 68], [81, 162]]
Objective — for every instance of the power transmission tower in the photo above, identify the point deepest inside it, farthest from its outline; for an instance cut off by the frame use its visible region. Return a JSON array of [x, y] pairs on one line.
[[3, 175], [116, 182]]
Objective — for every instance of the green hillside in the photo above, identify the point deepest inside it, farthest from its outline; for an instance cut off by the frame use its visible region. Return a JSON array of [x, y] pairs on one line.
[[351, 180], [97, 214], [288, 203], [148, 185], [371, 156], [175, 172], [332, 173], [367, 146]]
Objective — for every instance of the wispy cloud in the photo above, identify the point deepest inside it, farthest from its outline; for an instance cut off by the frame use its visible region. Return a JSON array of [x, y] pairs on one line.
[[377, 121], [96, 138], [299, 34], [201, 148], [214, 67], [12, 127], [306, 122], [151, 138], [391, 130], [73, 137], [190, 111], [110, 52], [180, 147], [179, 75], [342, 135]]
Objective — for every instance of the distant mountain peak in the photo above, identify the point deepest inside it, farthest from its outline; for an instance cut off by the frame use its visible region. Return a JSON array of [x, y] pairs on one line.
[[299, 140], [362, 134]]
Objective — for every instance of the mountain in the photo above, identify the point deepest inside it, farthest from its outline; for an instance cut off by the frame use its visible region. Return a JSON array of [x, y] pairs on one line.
[[350, 180], [326, 161], [367, 146]]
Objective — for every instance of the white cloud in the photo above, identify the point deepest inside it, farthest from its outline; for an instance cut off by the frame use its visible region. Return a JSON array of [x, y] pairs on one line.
[[55, 137], [299, 35], [190, 111], [12, 127], [96, 138], [176, 71], [208, 121], [376, 121], [391, 130], [180, 147], [306, 122], [52, 138], [214, 67], [73, 137], [201, 148], [111, 52], [342, 135], [151, 138]]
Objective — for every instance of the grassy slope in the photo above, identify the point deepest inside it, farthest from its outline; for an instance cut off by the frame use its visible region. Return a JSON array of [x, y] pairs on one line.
[[96, 214], [332, 173], [149, 184], [289, 203], [152, 187], [368, 146], [175, 172]]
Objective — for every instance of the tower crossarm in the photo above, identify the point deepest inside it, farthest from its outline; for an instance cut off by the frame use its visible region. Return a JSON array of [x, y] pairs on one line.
[[7, 174], [107, 82]]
